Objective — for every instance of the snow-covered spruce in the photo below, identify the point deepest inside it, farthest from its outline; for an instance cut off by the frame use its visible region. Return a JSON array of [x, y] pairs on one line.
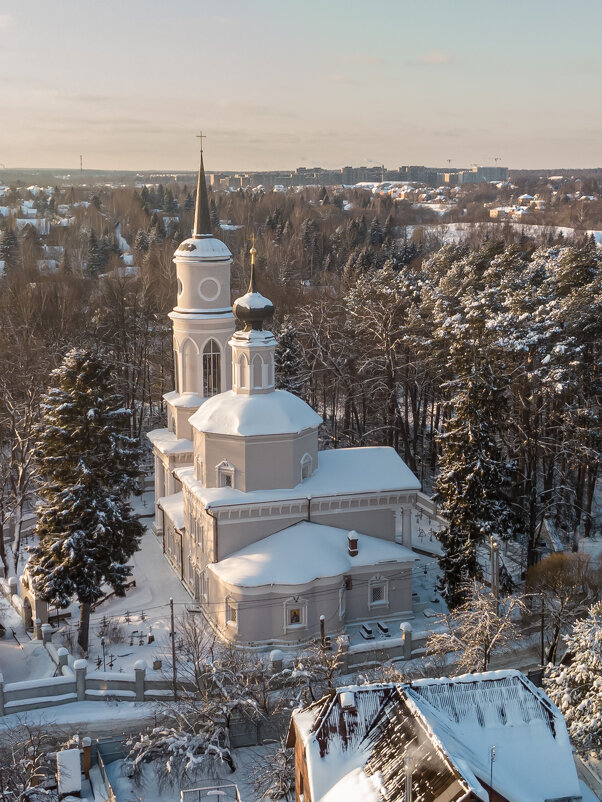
[[88, 466], [576, 685], [470, 486]]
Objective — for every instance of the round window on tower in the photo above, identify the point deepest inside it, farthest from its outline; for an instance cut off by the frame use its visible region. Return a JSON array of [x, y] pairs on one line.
[[179, 286], [209, 289]]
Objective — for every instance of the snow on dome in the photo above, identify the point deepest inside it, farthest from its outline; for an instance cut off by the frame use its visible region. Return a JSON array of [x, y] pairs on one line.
[[253, 300], [279, 412], [203, 248]]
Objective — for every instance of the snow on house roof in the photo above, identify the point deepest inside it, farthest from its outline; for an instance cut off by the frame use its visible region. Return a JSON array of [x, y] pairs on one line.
[[342, 471], [69, 773], [502, 709], [279, 412], [173, 507], [167, 443], [289, 557], [444, 729]]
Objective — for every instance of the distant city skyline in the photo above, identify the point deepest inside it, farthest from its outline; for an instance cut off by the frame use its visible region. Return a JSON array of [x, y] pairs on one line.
[[277, 85]]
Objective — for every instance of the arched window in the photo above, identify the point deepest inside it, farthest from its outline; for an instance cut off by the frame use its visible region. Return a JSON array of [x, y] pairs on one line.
[[306, 464], [257, 371], [212, 365], [189, 367], [242, 371]]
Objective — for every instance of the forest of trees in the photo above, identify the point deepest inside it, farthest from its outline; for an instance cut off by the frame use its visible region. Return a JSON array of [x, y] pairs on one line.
[[384, 332]]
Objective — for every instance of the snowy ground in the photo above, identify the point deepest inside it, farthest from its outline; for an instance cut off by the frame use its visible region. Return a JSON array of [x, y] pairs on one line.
[[143, 611], [92, 719], [20, 656], [244, 759]]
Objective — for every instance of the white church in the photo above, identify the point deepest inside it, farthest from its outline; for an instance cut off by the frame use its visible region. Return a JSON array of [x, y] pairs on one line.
[[268, 534]]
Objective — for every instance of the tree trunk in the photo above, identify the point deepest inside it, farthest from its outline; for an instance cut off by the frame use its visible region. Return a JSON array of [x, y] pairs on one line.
[[83, 627]]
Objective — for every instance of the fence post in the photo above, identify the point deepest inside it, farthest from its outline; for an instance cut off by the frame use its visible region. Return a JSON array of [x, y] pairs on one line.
[[343, 648], [46, 634], [1, 695], [80, 667], [63, 656], [139, 675], [87, 756], [276, 661], [406, 634], [13, 587]]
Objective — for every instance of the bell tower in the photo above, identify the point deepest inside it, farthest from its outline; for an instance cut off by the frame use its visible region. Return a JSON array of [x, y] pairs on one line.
[[202, 318], [253, 348]]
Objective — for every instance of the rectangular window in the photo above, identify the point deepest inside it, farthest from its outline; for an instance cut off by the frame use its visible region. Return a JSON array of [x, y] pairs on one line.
[[231, 613], [378, 593]]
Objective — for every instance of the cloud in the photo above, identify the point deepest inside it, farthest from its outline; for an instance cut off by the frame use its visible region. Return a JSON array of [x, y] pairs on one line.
[[6, 20], [435, 57]]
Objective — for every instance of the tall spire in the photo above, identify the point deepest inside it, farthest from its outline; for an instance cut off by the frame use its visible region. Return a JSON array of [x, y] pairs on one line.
[[253, 308], [253, 252], [202, 220]]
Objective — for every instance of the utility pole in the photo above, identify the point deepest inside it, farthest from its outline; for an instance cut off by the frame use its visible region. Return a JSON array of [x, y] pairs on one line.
[[81, 163], [542, 631], [495, 568], [174, 670]]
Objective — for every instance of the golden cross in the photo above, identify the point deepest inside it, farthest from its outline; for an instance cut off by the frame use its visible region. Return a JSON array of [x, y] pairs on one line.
[[201, 136]]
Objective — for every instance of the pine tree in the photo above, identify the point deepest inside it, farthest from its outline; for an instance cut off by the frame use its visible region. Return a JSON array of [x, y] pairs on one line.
[[289, 361], [214, 214], [142, 242], [65, 267], [471, 483], [86, 528], [9, 251], [576, 685]]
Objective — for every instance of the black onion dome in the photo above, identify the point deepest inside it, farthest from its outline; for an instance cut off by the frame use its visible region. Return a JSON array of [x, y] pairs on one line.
[[253, 308]]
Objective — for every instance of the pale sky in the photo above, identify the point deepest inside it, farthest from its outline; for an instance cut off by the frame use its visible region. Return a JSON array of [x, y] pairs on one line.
[[286, 83]]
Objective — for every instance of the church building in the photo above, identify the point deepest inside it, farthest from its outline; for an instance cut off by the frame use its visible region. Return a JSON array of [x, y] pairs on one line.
[[271, 536]]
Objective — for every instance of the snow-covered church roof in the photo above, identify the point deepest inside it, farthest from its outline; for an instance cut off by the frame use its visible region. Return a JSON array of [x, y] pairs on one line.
[[341, 471], [288, 557], [207, 247], [279, 412]]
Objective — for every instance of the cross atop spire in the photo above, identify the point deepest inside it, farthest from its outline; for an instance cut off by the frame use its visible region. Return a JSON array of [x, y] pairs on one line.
[[202, 220], [253, 252]]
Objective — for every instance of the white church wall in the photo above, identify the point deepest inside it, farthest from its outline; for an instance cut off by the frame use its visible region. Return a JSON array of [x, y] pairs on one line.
[[376, 522]]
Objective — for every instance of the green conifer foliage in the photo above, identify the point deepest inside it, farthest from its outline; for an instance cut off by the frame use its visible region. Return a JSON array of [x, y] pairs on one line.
[[89, 466], [470, 486]]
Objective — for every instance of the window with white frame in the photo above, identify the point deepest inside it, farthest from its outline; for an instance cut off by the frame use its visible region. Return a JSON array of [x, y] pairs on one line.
[[231, 613], [306, 464], [295, 614], [378, 591], [225, 474], [204, 586], [212, 360]]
